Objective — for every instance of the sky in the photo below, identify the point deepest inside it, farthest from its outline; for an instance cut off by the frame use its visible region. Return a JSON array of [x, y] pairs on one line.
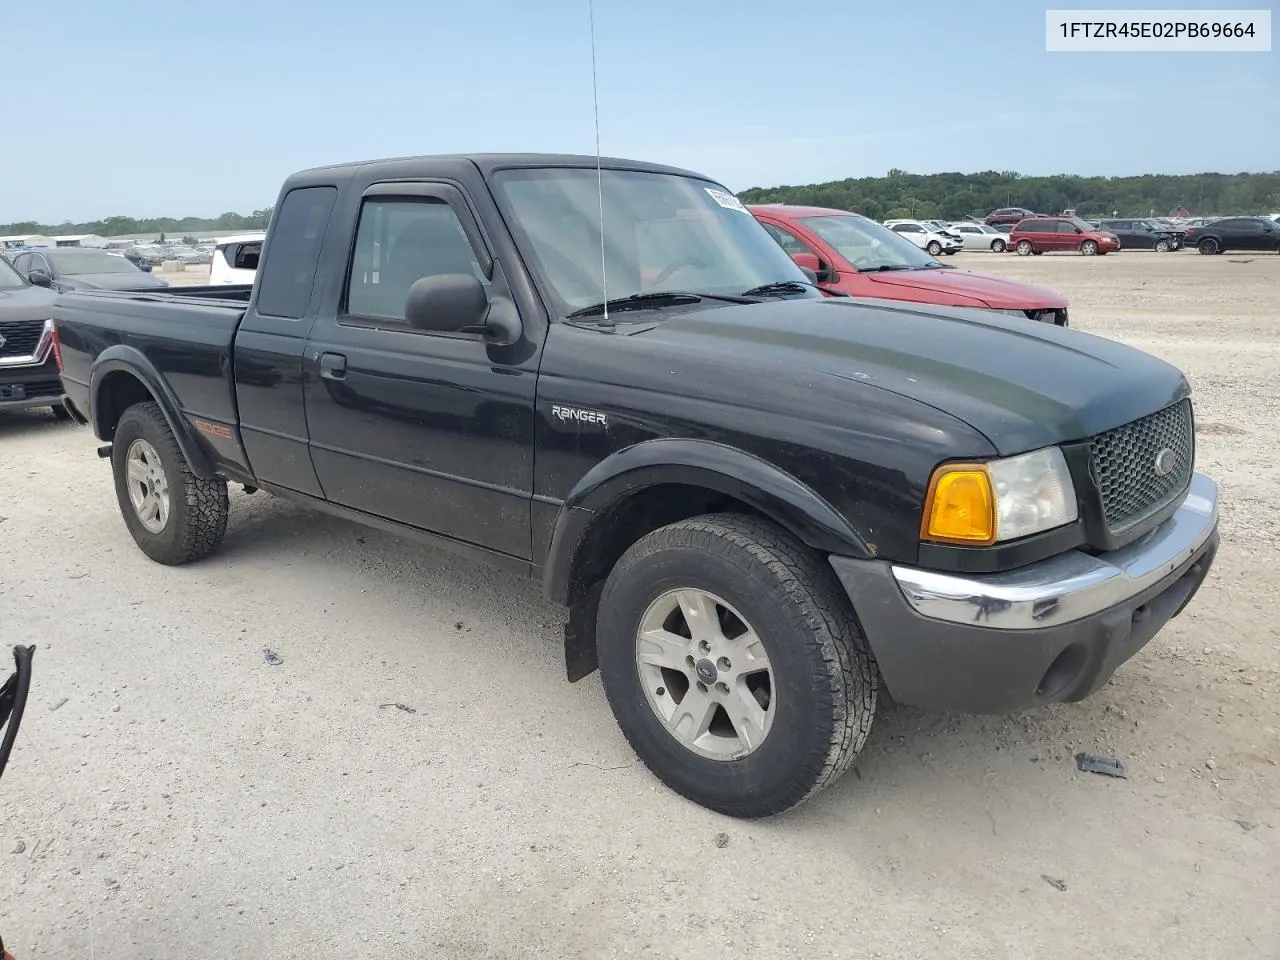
[[173, 109]]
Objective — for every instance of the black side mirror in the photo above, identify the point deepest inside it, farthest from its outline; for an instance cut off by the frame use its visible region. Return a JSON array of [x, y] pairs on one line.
[[457, 303], [40, 278]]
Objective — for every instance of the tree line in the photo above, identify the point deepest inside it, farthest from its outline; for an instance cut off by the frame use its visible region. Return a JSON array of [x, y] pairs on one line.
[[126, 226], [956, 196], [946, 196]]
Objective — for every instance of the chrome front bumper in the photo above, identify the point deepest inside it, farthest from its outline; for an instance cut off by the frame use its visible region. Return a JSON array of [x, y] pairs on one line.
[[1071, 586]]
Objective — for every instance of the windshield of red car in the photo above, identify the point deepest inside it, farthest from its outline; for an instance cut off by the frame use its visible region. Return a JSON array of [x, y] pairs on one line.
[[866, 244]]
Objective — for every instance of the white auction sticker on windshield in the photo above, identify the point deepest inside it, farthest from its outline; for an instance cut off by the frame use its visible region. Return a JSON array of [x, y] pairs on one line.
[[726, 200]]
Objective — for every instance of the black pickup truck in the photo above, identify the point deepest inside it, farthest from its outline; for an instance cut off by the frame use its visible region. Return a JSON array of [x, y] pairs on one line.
[[759, 505]]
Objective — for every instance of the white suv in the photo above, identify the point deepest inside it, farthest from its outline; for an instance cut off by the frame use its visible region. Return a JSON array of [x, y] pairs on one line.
[[235, 259], [924, 236]]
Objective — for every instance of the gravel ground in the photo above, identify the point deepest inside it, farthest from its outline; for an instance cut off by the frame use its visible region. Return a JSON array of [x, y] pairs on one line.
[[416, 779]]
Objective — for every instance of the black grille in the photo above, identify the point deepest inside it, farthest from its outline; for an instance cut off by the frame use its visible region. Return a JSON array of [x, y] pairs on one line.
[[1124, 463], [20, 337]]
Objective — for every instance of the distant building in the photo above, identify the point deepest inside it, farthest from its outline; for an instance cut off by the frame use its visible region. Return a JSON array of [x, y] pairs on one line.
[[26, 240], [80, 240]]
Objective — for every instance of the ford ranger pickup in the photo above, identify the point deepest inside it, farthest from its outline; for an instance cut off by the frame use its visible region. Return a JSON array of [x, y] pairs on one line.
[[760, 505]]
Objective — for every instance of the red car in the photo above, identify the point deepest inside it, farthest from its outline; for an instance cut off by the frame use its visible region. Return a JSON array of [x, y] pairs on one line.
[[852, 254], [1009, 215], [1059, 234]]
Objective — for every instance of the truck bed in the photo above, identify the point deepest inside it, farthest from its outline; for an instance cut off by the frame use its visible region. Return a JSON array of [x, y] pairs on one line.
[[185, 335]]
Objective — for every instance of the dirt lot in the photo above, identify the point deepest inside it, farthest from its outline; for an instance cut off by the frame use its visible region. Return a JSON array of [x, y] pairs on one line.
[[176, 796]]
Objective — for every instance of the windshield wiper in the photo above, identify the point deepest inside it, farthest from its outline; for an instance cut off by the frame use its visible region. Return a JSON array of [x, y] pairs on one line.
[[886, 267], [657, 298], [788, 286]]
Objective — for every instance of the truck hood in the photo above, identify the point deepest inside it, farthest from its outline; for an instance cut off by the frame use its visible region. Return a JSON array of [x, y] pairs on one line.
[[1022, 385], [994, 292], [26, 303]]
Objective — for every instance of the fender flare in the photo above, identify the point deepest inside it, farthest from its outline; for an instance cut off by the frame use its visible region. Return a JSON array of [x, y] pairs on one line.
[[700, 463], [121, 358]]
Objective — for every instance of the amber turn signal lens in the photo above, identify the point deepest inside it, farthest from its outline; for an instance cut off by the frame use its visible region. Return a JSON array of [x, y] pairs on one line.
[[961, 507]]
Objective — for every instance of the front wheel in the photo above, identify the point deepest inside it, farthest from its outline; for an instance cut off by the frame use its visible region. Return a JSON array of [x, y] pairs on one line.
[[1024, 248], [1088, 248], [998, 246], [734, 665], [173, 515], [934, 248], [1162, 246]]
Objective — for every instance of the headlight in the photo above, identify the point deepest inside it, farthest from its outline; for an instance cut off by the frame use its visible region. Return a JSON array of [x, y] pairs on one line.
[[984, 503]]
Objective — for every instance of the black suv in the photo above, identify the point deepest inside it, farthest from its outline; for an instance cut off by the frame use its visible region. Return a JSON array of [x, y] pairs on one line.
[[1144, 235], [1236, 233], [28, 365]]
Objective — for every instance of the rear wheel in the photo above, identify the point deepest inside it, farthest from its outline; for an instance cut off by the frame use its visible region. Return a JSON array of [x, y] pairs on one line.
[[934, 248], [1089, 248], [734, 664], [998, 246], [1024, 248], [1208, 246], [173, 515]]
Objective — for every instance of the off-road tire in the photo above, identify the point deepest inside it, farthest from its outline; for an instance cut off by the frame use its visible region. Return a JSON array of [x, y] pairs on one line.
[[197, 508], [824, 673]]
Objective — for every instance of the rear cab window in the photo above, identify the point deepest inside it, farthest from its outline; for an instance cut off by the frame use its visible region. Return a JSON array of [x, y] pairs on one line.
[[297, 233]]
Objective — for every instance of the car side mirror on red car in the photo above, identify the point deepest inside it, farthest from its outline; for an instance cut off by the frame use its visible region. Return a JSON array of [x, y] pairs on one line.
[[812, 263]]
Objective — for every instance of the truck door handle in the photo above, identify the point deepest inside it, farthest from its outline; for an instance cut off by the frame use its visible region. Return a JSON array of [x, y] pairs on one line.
[[333, 366]]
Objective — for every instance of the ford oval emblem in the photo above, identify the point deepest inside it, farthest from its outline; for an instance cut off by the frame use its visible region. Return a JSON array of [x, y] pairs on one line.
[[1166, 460]]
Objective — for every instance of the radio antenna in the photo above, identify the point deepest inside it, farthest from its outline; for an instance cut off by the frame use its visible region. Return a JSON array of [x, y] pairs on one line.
[[605, 322]]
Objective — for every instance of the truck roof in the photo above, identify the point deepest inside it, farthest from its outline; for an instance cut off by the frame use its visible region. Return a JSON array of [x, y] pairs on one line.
[[489, 162]]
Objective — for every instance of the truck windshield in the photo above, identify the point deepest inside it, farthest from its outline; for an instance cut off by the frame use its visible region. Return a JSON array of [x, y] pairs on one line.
[[73, 263], [661, 232], [9, 279], [868, 245]]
